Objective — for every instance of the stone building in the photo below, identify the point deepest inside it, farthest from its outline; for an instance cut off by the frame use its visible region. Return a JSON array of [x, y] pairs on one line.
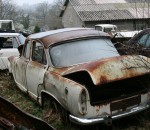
[[126, 14]]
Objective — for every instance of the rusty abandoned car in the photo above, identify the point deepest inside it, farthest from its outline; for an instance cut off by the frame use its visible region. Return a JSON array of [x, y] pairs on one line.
[[81, 71]]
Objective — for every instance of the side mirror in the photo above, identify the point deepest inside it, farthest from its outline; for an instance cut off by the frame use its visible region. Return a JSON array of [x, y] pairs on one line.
[[20, 48]]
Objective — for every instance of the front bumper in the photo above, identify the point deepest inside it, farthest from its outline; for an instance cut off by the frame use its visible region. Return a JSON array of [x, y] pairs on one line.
[[108, 118]]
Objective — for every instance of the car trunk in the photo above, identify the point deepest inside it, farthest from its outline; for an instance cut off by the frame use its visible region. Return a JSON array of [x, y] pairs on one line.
[[119, 89], [113, 79]]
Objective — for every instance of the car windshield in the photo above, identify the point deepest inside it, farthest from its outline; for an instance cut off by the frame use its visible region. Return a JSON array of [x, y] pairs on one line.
[[77, 52]]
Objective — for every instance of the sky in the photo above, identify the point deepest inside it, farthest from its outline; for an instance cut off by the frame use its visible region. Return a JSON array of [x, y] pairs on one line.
[[30, 2]]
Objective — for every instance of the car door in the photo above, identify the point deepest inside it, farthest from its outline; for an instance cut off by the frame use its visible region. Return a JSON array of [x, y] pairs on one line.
[[21, 65], [36, 69]]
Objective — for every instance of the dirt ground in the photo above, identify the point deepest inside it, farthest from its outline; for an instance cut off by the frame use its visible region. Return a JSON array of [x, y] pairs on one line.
[[9, 90]]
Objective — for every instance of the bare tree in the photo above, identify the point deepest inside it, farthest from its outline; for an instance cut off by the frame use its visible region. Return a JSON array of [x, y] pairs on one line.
[[47, 16], [7, 9], [58, 4], [41, 13], [56, 21]]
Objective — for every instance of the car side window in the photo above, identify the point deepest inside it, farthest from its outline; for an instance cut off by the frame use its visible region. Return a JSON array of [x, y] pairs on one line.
[[98, 28], [38, 53], [148, 42], [27, 50], [143, 39], [6, 42]]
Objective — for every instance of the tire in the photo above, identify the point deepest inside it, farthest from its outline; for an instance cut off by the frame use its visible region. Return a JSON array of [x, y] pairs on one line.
[[57, 112]]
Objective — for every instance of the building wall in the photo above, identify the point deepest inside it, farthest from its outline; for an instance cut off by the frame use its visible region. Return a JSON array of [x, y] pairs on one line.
[[122, 24], [70, 18]]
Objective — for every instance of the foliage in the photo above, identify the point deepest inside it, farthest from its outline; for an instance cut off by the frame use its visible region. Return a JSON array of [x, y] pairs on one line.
[[25, 21], [7, 9], [36, 29]]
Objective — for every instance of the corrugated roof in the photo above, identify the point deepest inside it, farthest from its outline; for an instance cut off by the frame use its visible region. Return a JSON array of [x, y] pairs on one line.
[[105, 15], [82, 2], [109, 1], [113, 11], [97, 10], [95, 7]]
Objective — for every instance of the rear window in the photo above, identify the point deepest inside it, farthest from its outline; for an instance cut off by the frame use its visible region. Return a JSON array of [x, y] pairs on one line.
[[8, 42], [77, 52]]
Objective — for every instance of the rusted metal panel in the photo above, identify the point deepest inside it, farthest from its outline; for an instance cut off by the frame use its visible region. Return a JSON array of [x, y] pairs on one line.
[[113, 69], [11, 116], [38, 71], [57, 86]]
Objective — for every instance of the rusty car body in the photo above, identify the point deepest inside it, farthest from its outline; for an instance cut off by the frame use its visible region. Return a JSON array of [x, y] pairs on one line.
[[12, 118], [8, 47], [142, 42], [138, 44], [81, 70]]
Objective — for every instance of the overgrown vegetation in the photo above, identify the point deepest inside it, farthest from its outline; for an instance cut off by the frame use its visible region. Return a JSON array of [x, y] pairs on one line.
[[9, 90]]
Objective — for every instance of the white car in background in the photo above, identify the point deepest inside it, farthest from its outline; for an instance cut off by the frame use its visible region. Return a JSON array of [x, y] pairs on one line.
[[9, 43]]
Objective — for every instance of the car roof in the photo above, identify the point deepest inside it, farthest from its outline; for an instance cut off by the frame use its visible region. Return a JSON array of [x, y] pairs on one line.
[[52, 37], [9, 34]]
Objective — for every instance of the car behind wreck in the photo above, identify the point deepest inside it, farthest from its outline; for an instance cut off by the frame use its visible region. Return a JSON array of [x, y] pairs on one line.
[[8, 47], [138, 44], [82, 72]]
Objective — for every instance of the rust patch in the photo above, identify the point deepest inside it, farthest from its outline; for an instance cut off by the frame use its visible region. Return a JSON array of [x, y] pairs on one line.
[[73, 34], [11, 58], [103, 79], [35, 64], [112, 69]]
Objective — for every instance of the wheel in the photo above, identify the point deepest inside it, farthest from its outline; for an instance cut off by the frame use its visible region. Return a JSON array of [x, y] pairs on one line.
[[54, 111], [64, 116]]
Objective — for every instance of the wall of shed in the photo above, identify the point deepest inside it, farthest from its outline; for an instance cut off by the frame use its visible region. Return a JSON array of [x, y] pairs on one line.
[[123, 24], [70, 18]]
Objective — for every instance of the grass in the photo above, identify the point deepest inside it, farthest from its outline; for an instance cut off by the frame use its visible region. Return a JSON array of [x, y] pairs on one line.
[[9, 90]]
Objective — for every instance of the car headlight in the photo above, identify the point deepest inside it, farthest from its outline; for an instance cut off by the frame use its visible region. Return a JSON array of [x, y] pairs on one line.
[[83, 102]]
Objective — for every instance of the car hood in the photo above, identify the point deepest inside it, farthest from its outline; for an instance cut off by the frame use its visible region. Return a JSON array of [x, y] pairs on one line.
[[110, 69]]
